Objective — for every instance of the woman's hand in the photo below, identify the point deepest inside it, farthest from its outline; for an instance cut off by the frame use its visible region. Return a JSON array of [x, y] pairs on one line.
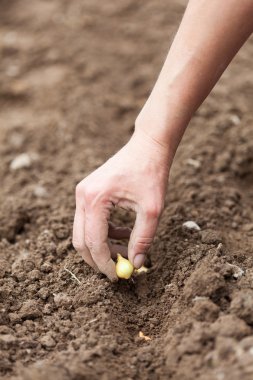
[[134, 178]]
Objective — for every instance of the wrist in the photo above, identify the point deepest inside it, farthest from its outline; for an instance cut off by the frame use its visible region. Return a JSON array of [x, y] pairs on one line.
[[151, 149], [166, 135], [165, 115]]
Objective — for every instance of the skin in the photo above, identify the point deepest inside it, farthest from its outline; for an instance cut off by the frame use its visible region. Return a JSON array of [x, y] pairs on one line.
[[210, 35]]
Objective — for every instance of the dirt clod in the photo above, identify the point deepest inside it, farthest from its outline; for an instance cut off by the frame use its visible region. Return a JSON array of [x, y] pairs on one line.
[[30, 310], [47, 341], [205, 310], [211, 237], [231, 326], [242, 305]]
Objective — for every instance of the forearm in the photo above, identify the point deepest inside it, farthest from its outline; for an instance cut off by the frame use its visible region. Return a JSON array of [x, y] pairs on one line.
[[208, 38]]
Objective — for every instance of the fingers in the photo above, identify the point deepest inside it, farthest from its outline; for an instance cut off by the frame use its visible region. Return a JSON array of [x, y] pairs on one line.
[[142, 236], [91, 229], [96, 233], [118, 232], [78, 237], [90, 233]]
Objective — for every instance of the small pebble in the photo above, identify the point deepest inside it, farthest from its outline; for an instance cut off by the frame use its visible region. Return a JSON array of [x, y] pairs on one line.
[[195, 163], [191, 225], [235, 119], [22, 161], [40, 191], [237, 271]]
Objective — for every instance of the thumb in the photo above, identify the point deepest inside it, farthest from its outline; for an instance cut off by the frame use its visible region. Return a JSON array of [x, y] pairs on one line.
[[142, 236]]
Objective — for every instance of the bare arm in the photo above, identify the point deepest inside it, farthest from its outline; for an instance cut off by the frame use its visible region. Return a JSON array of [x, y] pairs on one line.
[[211, 33], [208, 38]]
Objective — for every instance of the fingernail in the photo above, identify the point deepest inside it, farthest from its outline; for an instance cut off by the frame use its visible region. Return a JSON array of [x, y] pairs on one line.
[[139, 260]]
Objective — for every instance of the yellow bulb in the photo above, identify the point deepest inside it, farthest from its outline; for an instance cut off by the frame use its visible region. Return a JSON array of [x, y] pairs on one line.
[[124, 268]]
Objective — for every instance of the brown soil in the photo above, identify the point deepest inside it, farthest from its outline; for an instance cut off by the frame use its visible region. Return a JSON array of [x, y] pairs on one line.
[[74, 75]]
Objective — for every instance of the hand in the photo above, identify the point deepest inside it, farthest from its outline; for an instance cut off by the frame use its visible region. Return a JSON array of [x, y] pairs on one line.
[[134, 178]]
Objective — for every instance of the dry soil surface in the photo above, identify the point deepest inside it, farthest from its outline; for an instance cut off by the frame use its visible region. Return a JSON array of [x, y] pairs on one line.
[[74, 75]]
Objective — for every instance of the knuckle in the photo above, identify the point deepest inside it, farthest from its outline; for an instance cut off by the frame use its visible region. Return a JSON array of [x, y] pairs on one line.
[[153, 211], [77, 245], [85, 192], [143, 244], [79, 190], [89, 194]]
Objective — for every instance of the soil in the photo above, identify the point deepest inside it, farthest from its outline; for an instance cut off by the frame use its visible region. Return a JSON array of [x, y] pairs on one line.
[[74, 75]]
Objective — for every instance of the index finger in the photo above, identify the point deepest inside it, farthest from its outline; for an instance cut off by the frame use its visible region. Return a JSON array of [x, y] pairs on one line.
[[78, 239], [96, 234]]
